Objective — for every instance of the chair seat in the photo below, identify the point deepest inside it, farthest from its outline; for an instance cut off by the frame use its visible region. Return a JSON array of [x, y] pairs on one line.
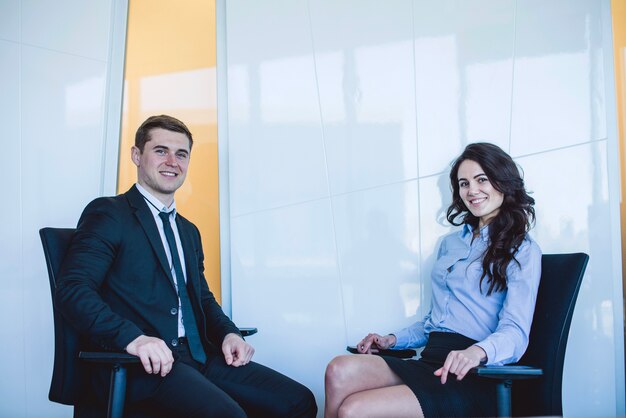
[[108, 357]]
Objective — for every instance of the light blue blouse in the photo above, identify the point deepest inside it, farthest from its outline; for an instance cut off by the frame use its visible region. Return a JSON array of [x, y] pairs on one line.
[[499, 322]]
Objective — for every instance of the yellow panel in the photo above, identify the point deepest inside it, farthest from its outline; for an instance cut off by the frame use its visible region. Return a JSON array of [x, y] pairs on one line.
[[618, 12], [170, 68]]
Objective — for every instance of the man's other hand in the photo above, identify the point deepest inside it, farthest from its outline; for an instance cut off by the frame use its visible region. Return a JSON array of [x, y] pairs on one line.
[[236, 351]]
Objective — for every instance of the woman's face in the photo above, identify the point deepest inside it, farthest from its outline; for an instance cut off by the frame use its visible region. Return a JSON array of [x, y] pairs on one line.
[[476, 191]]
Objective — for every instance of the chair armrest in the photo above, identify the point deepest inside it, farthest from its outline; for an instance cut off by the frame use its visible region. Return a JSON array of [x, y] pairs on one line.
[[508, 372], [245, 332], [403, 353], [108, 357]]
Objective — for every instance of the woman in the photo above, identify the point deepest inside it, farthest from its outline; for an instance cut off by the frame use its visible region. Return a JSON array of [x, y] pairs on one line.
[[484, 287]]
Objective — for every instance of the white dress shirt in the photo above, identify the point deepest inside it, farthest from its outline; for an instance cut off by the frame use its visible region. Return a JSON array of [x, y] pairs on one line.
[[156, 207]]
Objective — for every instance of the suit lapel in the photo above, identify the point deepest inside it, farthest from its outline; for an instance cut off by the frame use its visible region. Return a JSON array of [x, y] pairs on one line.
[[147, 222]]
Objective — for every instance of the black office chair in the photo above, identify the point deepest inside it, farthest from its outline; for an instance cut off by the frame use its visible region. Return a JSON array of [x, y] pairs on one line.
[[561, 276], [68, 380]]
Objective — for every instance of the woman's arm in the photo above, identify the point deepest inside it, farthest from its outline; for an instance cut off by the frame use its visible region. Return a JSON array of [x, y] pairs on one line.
[[460, 362], [510, 339], [411, 336]]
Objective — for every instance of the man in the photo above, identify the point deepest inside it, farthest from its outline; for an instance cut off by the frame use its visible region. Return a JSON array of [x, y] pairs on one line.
[[133, 280]]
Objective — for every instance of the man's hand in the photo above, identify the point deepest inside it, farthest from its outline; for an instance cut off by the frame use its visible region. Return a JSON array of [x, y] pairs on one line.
[[154, 354], [236, 351], [373, 342], [460, 362]]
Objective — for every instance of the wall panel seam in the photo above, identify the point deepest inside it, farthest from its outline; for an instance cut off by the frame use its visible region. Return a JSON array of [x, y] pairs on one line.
[[513, 58], [330, 198], [21, 204]]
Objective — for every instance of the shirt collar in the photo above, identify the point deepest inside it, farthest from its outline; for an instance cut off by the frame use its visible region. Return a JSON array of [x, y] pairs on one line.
[[155, 204], [468, 231]]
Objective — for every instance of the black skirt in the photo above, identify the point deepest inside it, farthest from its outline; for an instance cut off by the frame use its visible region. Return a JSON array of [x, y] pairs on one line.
[[470, 397]]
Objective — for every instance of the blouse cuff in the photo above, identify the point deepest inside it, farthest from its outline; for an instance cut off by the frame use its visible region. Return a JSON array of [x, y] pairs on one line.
[[489, 349], [402, 339]]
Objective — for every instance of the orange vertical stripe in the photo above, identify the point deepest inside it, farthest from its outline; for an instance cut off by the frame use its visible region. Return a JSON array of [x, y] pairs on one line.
[[170, 68], [618, 13]]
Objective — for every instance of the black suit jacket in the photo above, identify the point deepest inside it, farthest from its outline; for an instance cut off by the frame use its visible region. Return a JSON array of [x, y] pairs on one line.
[[115, 283]]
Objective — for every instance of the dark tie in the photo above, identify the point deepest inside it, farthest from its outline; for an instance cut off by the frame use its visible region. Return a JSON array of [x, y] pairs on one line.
[[189, 320]]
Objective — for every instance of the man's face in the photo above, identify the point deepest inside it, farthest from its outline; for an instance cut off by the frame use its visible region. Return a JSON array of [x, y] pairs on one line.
[[162, 166]]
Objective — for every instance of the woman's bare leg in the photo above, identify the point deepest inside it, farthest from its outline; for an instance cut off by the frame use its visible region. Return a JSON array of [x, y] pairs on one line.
[[392, 401], [350, 374]]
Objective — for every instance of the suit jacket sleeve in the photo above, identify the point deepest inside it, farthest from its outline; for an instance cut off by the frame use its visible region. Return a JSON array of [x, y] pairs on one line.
[[83, 273]]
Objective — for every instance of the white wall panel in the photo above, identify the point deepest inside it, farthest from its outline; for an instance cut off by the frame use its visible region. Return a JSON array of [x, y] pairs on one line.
[[62, 146], [463, 73], [363, 61], [526, 75], [10, 20], [287, 285], [434, 198], [11, 296], [265, 178], [378, 245], [558, 93], [53, 108], [67, 102], [276, 130], [73, 26]]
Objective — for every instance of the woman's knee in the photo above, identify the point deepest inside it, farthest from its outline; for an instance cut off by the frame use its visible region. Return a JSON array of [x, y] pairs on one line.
[[339, 370], [352, 407]]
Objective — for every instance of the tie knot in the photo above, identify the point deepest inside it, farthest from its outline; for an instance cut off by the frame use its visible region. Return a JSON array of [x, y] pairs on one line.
[[165, 216]]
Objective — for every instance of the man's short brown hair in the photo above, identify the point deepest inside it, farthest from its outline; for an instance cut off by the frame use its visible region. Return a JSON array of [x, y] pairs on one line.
[[166, 122]]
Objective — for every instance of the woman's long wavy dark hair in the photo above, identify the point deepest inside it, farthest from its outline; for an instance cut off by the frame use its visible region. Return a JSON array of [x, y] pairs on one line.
[[516, 216]]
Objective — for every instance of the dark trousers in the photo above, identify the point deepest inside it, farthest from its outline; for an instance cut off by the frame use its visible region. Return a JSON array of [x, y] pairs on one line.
[[217, 390]]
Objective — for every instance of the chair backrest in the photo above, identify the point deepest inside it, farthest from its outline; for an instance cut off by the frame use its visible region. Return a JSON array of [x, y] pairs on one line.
[[561, 276], [66, 377]]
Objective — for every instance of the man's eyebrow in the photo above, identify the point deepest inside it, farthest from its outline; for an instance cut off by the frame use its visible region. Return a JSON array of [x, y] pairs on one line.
[[167, 148]]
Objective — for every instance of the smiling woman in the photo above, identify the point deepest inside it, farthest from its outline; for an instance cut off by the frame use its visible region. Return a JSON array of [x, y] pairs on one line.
[[484, 287], [181, 83]]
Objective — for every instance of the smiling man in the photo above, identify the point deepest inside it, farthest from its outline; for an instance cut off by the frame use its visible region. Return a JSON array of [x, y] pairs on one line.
[[133, 280]]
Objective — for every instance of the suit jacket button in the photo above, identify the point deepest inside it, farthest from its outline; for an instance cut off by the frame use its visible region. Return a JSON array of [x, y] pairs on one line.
[[174, 342], [173, 311]]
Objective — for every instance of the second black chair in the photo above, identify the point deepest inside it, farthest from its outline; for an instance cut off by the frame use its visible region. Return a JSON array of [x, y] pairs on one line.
[[540, 370], [561, 277]]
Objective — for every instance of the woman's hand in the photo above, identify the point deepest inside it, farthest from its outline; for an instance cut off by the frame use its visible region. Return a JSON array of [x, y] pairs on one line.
[[374, 342], [460, 362]]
